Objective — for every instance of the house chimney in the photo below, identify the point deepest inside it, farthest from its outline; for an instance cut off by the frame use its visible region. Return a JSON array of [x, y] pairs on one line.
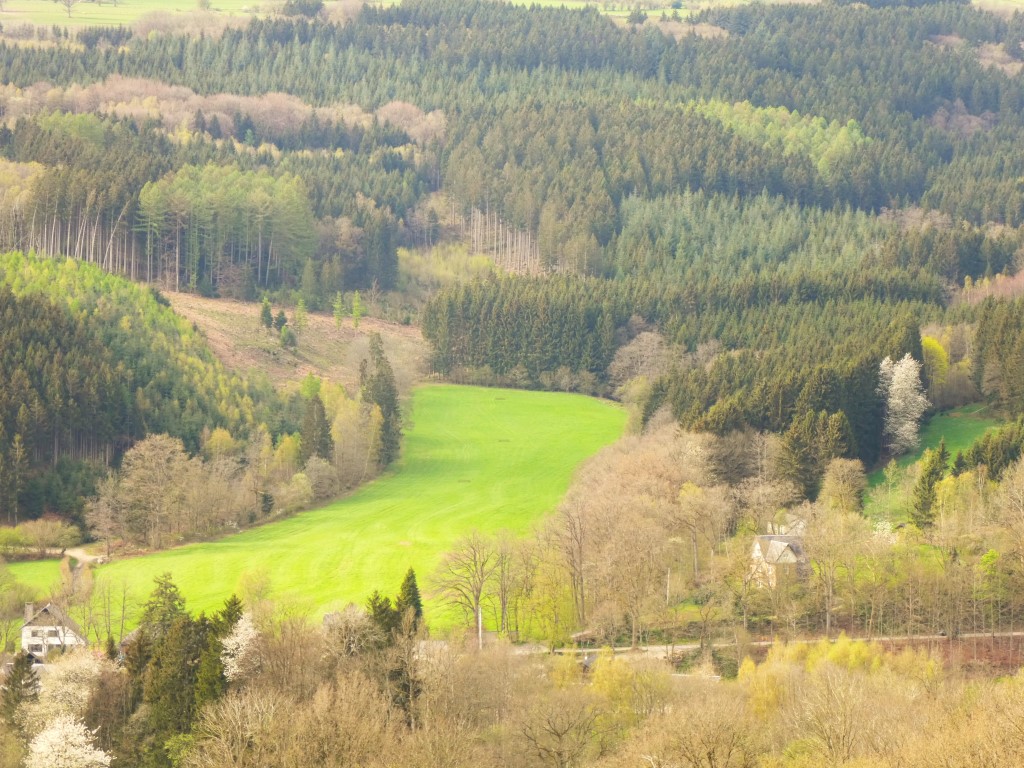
[[30, 611]]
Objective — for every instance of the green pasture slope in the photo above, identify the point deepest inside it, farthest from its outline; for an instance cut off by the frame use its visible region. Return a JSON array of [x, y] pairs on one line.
[[474, 458], [960, 427]]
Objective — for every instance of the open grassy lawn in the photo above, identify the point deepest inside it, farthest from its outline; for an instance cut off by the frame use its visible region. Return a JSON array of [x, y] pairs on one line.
[[108, 13], [474, 458], [960, 427]]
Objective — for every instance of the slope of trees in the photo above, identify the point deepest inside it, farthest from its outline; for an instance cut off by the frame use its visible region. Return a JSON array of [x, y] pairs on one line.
[[94, 363]]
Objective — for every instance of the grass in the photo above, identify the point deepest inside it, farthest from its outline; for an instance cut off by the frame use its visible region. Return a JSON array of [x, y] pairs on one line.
[[475, 458], [960, 428], [109, 14]]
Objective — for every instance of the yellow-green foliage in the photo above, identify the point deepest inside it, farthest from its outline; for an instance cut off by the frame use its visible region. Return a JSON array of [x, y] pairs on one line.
[[566, 671], [424, 271], [826, 143], [771, 683]]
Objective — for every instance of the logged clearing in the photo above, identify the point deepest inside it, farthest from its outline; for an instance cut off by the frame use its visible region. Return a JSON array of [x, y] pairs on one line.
[[476, 458], [233, 331]]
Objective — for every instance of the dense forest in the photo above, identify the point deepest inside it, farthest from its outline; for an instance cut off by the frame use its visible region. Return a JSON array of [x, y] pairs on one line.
[[729, 190], [782, 236]]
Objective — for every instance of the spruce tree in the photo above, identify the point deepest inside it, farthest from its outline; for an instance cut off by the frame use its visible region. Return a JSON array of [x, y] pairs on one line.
[[316, 437], [378, 387], [164, 607], [383, 615], [933, 467], [409, 598], [281, 320], [21, 685]]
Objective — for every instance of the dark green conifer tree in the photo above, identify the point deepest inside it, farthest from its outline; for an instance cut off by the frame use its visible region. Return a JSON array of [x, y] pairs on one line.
[[165, 605], [409, 597], [21, 685], [266, 314], [377, 382], [316, 437]]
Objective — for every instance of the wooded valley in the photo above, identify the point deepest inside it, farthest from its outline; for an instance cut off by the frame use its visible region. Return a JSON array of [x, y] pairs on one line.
[[781, 243]]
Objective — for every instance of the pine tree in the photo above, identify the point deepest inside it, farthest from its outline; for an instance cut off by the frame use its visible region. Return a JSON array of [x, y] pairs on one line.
[[409, 597], [383, 615], [21, 685], [281, 320], [959, 464], [301, 316], [170, 681], [229, 615]]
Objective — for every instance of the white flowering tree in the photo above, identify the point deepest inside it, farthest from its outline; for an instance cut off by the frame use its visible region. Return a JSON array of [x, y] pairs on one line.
[[65, 686], [899, 385], [65, 743], [241, 654]]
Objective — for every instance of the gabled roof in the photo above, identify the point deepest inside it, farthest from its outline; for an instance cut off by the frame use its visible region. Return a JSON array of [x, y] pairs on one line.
[[51, 615], [773, 546]]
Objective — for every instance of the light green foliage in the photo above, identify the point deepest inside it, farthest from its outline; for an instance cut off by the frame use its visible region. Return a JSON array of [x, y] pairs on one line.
[[358, 309], [828, 144], [310, 386], [339, 308], [936, 361], [113, 14], [301, 316], [474, 458]]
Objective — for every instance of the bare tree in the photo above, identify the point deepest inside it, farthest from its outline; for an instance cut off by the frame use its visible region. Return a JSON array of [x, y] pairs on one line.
[[562, 728], [463, 575]]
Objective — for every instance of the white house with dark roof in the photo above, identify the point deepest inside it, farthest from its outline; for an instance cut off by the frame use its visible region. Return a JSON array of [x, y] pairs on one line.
[[776, 558], [48, 629]]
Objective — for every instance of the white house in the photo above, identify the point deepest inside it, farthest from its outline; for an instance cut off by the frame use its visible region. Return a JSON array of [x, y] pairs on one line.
[[48, 629], [776, 558]]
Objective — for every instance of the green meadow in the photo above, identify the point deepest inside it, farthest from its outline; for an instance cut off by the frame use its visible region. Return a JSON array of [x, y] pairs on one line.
[[111, 14], [473, 458], [960, 427]]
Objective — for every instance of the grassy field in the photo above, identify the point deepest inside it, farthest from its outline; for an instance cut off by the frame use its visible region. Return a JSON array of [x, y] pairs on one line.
[[960, 428], [110, 14], [475, 458]]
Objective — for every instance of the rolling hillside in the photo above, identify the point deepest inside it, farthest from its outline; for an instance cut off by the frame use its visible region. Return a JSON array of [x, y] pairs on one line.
[[474, 458]]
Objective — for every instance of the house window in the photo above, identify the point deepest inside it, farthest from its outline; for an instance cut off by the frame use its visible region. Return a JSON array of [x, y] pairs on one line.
[[37, 633], [35, 648], [53, 633]]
